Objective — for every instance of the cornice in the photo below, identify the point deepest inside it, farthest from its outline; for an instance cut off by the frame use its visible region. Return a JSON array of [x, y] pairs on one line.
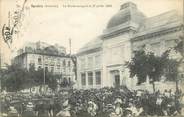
[[89, 51], [89, 70], [158, 33], [25, 53], [117, 32], [114, 65]]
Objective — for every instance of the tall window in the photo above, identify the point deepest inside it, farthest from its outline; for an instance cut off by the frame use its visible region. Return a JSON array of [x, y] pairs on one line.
[[46, 68], [98, 77], [52, 69], [182, 75], [64, 63], [32, 65], [90, 78], [58, 68], [83, 78], [39, 67], [58, 61], [39, 60], [68, 63], [64, 70]]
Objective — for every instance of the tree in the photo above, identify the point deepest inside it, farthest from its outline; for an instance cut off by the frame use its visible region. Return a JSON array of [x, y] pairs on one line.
[[74, 60], [145, 65], [171, 70], [38, 78], [179, 48], [14, 77], [51, 80]]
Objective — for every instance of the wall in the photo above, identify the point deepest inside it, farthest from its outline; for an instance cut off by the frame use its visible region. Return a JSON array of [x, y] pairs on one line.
[[116, 51], [91, 62]]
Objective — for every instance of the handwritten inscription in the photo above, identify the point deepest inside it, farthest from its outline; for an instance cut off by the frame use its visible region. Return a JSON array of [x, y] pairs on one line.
[[7, 33], [14, 23]]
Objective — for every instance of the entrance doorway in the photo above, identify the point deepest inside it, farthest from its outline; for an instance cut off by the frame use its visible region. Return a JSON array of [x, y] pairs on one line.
[[117, 80], [115, 76]]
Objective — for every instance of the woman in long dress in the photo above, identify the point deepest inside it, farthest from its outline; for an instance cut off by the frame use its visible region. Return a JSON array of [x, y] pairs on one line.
[[29, 112], [92, 108], [118, 111], [65, 112], [41, 110], [13, 112]]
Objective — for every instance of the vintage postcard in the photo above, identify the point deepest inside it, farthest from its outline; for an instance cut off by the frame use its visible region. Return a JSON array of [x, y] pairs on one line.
[[91, 58]]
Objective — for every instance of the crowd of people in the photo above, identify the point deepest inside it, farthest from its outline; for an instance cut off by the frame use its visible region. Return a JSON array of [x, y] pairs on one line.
[[105, 102]]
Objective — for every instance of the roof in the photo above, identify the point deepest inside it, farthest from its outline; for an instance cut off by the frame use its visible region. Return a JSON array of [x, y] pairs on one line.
[[159, 20], [144, 25], [123, 15], [44, 48], [119, 18], [127, 16], [92, 44], [163, 22]]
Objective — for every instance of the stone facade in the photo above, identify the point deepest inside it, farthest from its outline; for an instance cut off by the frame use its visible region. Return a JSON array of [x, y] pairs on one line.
[[89, 65], [128, 30], [52, 58]]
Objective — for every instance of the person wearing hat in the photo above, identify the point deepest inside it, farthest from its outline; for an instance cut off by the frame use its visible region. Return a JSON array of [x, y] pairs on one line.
[[92, 108], [118, 111], [134, 110], [29, 112], [66, 110], [159, 105], [13, 112], [41, 110], [51, 108]]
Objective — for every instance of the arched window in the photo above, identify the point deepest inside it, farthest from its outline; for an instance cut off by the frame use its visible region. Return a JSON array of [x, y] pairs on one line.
[[68, 63], [64, 63], [39, 60]]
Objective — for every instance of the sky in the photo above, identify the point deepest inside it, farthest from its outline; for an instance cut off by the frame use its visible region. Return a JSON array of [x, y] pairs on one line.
[[58, 24]]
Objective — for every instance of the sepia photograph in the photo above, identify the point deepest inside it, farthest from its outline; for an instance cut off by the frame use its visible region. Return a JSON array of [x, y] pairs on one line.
[[91, 58]]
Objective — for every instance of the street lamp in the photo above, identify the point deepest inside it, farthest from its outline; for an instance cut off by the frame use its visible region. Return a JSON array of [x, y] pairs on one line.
[[44, 72]]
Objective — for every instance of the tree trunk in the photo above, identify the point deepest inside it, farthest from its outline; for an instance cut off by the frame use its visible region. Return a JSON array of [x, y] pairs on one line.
[[179, 71], [153, 84], [177, 89], [40, 89]]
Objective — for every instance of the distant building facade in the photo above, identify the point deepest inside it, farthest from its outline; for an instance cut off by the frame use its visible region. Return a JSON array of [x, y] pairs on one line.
[[89, 65], [41, 55], [101, 62]]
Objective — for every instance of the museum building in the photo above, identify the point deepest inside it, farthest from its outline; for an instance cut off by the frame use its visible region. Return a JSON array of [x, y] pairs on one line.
[[101, 62]]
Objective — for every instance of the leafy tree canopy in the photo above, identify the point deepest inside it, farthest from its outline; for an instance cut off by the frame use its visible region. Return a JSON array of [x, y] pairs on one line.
[[16, 78], [147, 64]]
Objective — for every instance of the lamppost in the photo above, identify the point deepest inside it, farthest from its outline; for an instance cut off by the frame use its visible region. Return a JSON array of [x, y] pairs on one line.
[[44, 73]]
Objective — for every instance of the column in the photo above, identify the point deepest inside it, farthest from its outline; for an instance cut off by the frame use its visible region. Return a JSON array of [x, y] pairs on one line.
[[94, 80], [121, 77], [86, 79]]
